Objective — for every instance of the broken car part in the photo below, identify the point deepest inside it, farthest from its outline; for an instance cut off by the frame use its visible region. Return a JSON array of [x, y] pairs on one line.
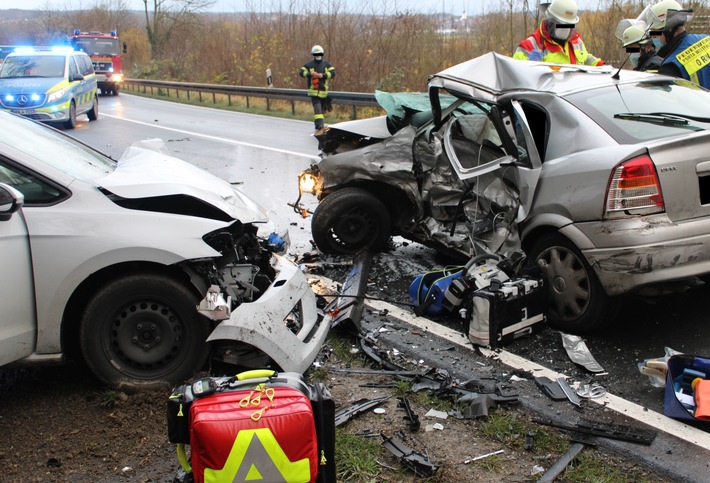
[[410, 459], [612, 431], [410, 417], [561, 464], [569, 392], [579, 353], [550, 388], [344, 415], [591, 391]]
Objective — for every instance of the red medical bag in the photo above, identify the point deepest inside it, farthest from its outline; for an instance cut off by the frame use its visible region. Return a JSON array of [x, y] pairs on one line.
[[257, 426]]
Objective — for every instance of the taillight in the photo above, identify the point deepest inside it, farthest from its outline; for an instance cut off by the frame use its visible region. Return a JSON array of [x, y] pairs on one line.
[[634, 189]]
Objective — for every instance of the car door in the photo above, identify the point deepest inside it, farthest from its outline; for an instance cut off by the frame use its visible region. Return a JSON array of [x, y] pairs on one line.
[[17, 323], [78, 87]]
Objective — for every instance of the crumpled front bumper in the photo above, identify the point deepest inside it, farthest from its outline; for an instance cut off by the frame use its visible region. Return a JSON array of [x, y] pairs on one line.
[[262, 323]]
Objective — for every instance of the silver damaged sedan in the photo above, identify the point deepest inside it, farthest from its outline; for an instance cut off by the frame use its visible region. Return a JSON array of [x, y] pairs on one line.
[[147, 267], [601, 176]]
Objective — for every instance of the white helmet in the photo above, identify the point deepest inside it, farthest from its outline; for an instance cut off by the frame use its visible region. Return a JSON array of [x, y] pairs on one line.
[[317, 50], [563, 11], [659, 13], [636, 34]]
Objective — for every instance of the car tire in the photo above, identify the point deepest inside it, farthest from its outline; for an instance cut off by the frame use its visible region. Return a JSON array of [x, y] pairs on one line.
[[71, 122], [350, 220], [577, 302], [93, 113], [143, 331]]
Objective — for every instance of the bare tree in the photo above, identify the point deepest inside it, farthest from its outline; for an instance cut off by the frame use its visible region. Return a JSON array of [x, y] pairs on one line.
[[164, 17]]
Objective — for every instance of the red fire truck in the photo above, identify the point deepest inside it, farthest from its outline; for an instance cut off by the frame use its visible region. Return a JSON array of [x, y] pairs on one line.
[[105, 51]]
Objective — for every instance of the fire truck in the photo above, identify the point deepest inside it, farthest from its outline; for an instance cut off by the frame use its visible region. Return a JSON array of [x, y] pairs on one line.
[[105, 51]]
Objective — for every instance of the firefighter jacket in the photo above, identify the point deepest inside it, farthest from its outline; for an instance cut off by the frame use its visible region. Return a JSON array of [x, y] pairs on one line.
[[540, 46], [691, 57], [318, 87]]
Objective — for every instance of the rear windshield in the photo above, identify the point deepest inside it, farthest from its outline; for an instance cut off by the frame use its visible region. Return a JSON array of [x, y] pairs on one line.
[[33, 66], [633, 113]]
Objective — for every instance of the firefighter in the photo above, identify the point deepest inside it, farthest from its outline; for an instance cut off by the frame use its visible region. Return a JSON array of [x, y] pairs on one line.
[[642, 52], [685, 55], [557, 40], [317, 73]]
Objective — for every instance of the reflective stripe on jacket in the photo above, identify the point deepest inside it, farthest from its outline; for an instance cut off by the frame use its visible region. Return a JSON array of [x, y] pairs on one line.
[[692, 57], [540, 46], [318, 87]]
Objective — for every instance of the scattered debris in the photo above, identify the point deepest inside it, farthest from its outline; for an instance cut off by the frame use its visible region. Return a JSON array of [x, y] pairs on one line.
[[550, 388], [591, 391], [410, 459], [569, 392], [410, 417], [579, 353], [343, 415], [480, 457], [433, 413], [536, 470], [529, 441], [561, 464], [615, 431], [435, 426]]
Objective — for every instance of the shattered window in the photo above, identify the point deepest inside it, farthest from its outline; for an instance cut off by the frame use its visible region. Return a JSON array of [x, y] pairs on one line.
[[474, 137]]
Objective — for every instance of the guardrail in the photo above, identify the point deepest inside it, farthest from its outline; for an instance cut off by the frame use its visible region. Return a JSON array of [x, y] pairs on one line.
[[354, 99]]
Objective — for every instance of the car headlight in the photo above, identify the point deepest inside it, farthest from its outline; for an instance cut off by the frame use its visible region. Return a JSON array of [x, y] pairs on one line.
[[56, 95], [309, 181]]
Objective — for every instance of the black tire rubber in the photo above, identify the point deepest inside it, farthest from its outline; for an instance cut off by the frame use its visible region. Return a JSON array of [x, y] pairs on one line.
[[114, 91], [577, 302], [349, 220], [71, 122], [142, 331], [93, 113]]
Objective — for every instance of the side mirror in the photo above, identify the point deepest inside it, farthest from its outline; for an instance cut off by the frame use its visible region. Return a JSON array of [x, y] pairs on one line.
[[11, 201], [125, 48], [76, 77]]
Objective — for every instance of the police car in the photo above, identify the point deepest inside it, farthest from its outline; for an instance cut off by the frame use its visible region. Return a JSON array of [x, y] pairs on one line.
[[52, 86]]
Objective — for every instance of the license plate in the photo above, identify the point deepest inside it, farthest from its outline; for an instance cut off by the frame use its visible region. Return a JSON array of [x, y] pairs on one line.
[[23, 111], [100, 77]]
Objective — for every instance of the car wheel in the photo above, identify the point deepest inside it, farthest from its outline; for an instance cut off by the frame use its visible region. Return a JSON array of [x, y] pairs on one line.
[[71, 122], [93, 113], [114, 91], [349, 220], [577, 301], [143, 331]]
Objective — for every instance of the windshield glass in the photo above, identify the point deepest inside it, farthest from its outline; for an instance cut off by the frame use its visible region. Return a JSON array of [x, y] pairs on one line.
[[97, 46], [648, 110], [33, 66], [54, 148]]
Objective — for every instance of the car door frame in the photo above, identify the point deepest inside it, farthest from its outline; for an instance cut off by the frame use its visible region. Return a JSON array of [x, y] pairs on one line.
[[18, 325]]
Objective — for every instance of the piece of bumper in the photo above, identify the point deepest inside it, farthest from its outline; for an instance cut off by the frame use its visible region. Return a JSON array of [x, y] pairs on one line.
[[645, 251], [262, 323]]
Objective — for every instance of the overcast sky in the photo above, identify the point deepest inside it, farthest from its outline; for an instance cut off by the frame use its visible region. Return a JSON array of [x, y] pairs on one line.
[[456, 7]]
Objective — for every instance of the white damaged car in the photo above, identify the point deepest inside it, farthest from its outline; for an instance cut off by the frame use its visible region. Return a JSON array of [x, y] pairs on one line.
[[147, 268]]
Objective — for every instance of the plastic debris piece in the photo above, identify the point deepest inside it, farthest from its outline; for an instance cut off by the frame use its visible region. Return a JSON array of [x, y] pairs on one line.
[[480, 457], [433, 413], [410, 459], [379, 410], [578, 352], [591, 391], [536, 470]]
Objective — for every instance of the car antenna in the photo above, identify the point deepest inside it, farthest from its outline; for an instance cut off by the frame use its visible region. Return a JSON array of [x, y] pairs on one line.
[[616, 75]]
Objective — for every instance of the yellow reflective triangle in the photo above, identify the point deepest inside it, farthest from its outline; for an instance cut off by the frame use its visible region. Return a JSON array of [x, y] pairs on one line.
[[253, 474]]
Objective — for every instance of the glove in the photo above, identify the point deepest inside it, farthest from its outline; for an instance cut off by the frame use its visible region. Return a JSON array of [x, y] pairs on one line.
[[535, 55], [316, 75]]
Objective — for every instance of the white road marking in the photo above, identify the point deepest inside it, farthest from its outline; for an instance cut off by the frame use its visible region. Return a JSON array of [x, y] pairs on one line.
[[215, 138], [656, 420]]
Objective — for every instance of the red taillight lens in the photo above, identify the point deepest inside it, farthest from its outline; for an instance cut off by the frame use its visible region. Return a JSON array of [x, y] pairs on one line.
[[634, 189]]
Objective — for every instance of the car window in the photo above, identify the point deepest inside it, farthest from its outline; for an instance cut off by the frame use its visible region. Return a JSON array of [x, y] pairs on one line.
[[55, 149], [623, 110], [73, 69], [85, 65], [33, 66], [473, 136], [35, 190]]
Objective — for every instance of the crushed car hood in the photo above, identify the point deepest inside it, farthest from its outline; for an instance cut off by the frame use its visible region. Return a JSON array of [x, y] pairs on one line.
[[145, 173]]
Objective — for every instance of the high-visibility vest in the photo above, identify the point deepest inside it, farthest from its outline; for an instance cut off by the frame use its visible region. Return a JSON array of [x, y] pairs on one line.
[[571, 52], [692, 57]]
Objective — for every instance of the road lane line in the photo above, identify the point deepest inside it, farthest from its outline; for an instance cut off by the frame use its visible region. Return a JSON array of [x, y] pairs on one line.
[[656, 420], [215, 138]]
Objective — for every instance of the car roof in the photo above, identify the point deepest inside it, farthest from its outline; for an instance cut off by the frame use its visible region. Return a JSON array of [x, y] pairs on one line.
[[57, 53], [492, 75]]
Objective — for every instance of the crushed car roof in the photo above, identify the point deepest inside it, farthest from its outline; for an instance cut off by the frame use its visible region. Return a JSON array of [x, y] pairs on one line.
[[493, 74]]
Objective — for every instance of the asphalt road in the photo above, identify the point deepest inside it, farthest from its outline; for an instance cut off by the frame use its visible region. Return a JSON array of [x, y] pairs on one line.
[[264, 155]]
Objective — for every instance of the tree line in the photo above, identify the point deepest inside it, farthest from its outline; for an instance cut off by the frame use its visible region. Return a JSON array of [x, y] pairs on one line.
[[381, 46]]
